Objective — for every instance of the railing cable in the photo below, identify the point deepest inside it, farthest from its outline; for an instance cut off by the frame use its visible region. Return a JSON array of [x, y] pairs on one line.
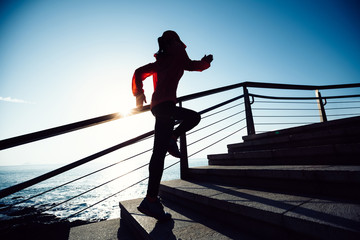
[[285, 123], [89, 190], [217, 131], [338, 108], [211, 124], [291, 116], [223, 110], [284, 109], [112, 195], [344, 114], [282, 102], [217, 142], [74, 180], [344, 102]]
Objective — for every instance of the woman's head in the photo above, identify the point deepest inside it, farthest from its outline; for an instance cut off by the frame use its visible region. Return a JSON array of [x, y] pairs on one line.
[[171, 36], [166, 40]]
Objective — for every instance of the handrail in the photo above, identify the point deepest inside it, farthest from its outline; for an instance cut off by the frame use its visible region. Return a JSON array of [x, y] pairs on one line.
[[300, 87], [303, 98], [265, 85], [32, 137], [51, 132]]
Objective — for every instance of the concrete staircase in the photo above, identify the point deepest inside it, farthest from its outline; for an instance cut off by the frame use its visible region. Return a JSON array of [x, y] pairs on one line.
[[296, 183]]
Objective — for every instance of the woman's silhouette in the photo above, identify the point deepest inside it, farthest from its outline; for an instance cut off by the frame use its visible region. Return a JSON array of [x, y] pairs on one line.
[[171, 61]]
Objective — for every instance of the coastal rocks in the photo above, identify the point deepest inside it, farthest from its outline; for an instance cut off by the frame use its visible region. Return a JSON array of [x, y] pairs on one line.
[[31, 223]]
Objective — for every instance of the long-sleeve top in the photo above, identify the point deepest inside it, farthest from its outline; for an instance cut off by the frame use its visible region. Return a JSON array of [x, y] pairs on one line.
[[166, 71]]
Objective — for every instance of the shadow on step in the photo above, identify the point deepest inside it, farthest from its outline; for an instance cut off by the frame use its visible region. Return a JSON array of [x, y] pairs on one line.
[[342, 213], [188, 216], [124, 232]]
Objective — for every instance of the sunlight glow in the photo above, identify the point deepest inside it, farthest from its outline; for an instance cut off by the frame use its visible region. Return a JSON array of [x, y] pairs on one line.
[[125, 105], [125, 112], [127, 108]]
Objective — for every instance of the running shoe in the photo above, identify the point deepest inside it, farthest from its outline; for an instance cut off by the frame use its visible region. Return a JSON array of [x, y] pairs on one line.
[[154, 209]]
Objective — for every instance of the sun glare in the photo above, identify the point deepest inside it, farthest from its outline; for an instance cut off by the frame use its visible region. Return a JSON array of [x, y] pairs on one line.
[[125, 111]]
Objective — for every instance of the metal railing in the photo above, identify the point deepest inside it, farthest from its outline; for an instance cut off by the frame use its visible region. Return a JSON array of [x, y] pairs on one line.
[[247, 100]]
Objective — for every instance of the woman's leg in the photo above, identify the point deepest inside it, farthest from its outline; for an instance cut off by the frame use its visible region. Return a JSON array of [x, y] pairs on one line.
[[189, 119], [163, 130], [164, 125], [165, 115]]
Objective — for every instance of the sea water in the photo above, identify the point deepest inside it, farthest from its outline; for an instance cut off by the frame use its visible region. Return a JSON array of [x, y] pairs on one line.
[[91, 198]]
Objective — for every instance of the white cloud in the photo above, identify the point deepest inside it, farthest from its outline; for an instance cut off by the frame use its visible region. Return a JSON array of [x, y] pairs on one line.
[[14, 100]]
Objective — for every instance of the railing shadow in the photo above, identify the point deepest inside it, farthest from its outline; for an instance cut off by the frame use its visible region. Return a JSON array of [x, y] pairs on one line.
[[297, 206]]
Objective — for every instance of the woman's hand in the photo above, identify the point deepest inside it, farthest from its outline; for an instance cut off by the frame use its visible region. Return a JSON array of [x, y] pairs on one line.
[[140, 99], [208, 58]]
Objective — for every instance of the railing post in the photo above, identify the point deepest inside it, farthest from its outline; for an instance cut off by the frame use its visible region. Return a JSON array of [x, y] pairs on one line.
[[249, 117], [184, 163], [321, 105]]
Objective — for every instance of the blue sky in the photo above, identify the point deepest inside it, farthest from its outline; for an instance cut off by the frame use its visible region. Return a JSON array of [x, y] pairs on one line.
[[65, 61]]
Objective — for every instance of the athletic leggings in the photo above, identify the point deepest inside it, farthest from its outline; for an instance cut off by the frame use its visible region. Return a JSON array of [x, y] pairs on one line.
[[165, 114]]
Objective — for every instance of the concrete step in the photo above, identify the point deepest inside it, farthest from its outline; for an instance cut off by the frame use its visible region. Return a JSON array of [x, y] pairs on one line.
[[312, 155], [268, 214], [329, 180], [185, 224], [311, 128], [350, 134]]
